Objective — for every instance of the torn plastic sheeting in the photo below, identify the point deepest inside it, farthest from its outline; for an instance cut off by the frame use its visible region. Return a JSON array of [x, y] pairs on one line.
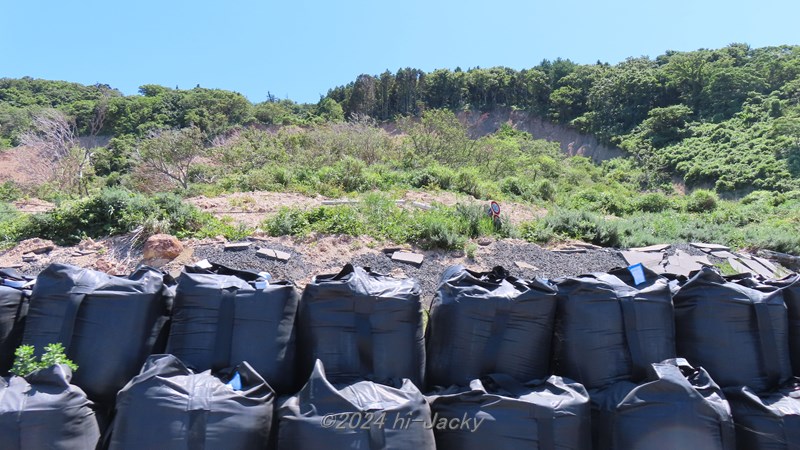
[[489, 322], [548, 414], [169, 407], [362, 325], [224, 316], [677, 406]]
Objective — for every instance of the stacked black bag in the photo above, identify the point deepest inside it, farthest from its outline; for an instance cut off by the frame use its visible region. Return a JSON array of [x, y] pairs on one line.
[[362, 325], [486, 323], [169, 407], [503, 413], [677, 407], [44, 411], [223, 317], [790, 287], [14, 295], [767, 421], [363, 415], [607, 331], [738, 333], [107, 325]]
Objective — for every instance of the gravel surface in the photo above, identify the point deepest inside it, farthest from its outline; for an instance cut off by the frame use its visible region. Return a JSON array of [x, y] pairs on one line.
[[301, 268]]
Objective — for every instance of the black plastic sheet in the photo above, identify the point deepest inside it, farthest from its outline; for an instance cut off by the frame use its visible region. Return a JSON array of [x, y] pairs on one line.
[[362, 325], [224, 316], [678, 407], [108, 325], [739, 334], [769, 421], [44, 411], [502, 413], [14, 297], [169, 407], [361, 415], [607, 331], [491, 322]]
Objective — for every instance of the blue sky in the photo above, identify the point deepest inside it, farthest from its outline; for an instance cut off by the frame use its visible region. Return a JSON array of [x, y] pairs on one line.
[[302, 48]]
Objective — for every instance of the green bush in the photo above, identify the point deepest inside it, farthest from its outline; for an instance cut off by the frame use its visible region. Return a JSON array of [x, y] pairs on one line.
[[9, 192], [652, 202], [115, 211], [25, 361], [584, 226], [545, 190], [702, 200]]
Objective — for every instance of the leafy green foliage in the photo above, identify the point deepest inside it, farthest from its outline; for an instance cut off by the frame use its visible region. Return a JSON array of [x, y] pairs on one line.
[[379, 217], [116, 211], [25, 361]]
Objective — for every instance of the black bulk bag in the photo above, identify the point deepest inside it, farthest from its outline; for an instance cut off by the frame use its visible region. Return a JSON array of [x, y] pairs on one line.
[[362, 325], [363, 415], [503, 413], [14, 294], [790, 287], [607, 331], [677, 407], [490, 322], [44, 411], [108, 325], [737, 333], [769, 421], [223, 316], [169, 407]]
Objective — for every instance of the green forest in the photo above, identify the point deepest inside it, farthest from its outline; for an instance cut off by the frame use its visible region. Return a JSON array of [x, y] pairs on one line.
[[712, 139]]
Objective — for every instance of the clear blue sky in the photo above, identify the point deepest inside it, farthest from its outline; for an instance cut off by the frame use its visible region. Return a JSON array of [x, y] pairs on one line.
[[300, 49]]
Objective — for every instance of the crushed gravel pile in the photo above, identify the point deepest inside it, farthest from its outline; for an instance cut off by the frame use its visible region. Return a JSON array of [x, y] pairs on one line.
[[546, 263]]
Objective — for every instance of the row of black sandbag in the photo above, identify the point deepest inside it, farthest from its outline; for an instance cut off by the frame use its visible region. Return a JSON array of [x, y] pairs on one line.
[[365, 325], [167, 406]]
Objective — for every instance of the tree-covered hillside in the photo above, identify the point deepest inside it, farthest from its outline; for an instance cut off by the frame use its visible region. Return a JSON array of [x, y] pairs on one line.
[[727, 119], [726, 122]]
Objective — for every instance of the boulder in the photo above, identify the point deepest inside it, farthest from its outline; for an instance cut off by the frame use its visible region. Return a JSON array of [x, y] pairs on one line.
[[162, 246]]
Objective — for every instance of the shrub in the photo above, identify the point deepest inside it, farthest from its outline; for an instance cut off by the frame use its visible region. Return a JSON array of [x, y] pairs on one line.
[[584, 226], [25, 362], [652, 202], [702, 200], [545, 189]]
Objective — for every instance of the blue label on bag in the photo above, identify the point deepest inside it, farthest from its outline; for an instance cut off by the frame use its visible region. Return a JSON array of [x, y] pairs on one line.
[[236, 382], [637, 270]]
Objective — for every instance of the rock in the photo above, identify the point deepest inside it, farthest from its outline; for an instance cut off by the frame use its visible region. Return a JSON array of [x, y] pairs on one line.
[[652, 248], [104, 265], [708, 247], [484, 241], [408, 257], [738, 266], [36, 246], [722, 254], [162, 247], [236, 246], [525, 266], [273, 254], [421, 205], [28, 257], [648, 259]]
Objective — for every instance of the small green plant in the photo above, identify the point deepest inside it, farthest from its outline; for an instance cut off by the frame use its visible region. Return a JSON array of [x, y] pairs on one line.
[[470, 249], [26, 362]]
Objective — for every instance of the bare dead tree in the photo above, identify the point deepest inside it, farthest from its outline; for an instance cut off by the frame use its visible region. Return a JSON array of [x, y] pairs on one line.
[[52, 133]]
